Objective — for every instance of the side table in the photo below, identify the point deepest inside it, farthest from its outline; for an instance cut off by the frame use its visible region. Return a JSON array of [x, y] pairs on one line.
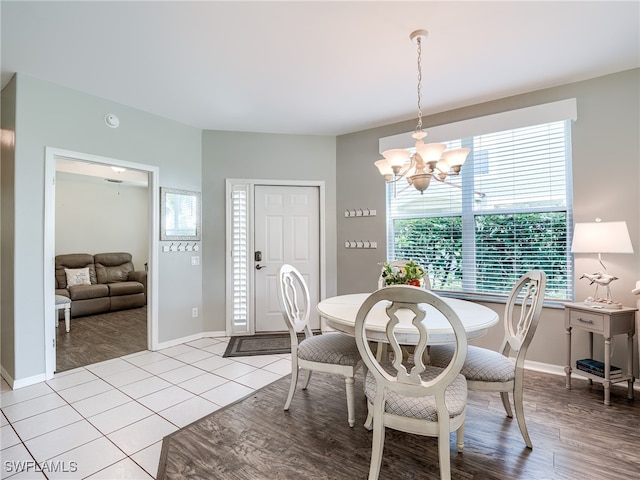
[[608, 323]]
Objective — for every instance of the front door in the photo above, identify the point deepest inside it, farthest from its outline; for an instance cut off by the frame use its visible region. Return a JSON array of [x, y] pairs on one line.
[[286, 230]]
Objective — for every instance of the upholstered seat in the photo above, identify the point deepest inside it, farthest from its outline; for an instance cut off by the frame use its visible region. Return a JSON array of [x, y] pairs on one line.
[[481, 364], [330, 352], [423, 408], [494, 371], [405, 394], [334, 348]]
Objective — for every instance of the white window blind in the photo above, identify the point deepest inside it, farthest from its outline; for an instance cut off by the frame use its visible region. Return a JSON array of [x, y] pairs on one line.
[[240, 257], [509, 211]]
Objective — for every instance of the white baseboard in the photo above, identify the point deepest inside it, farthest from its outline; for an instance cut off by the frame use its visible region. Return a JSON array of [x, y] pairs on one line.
[[23, 382], [189, 338]]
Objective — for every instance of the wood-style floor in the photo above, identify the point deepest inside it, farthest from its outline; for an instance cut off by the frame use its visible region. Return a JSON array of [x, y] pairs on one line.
[[96, 338], [575, 437]]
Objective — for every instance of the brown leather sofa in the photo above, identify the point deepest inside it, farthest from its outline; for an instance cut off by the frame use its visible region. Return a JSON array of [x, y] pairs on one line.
[[109, 282]]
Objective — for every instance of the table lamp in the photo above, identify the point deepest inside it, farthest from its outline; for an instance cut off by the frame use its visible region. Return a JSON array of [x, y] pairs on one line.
[[601, 237]]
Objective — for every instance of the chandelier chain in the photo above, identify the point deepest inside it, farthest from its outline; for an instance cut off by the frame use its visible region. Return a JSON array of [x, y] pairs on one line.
[[419, 126]]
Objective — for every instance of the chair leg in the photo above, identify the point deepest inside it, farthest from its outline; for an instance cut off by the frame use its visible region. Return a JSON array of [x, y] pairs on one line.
[[519, 407], [377, 445], [368, 423], [460, 438], [506, 404], [67, 317], [349, 382], [307, 380], [444, 455], [294, 381]]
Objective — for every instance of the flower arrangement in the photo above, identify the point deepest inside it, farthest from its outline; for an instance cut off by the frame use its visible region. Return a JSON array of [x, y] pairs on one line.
[[410, 274]]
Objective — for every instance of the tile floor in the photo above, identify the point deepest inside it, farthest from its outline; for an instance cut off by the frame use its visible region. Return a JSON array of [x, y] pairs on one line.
[[107, 420]]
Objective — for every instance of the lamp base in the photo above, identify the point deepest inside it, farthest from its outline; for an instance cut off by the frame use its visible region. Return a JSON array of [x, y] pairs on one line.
[[602, 303]]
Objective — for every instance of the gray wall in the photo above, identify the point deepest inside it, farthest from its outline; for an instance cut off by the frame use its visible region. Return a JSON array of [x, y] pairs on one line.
[[606, 179], [49, 115], [259, 157], [94, 216]]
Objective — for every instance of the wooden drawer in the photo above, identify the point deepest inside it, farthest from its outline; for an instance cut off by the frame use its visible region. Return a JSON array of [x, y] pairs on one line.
[[587, 320]]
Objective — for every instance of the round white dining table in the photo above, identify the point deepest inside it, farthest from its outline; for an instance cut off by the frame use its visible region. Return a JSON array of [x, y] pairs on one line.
[[340, 314]]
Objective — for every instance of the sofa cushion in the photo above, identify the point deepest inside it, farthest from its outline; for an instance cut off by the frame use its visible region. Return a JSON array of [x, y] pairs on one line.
[[77, 276], [83, 292], [125, 288], [73, 260], [113, 267]]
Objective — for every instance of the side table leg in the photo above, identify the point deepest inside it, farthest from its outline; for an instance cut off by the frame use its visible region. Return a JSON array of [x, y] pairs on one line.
[[607, 373], [567, 368]]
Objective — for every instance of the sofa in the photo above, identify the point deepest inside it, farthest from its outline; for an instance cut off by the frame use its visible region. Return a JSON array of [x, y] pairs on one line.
[[100, 283]]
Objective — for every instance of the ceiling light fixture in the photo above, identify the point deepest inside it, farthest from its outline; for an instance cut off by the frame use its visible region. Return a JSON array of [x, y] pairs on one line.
[[429, 160]]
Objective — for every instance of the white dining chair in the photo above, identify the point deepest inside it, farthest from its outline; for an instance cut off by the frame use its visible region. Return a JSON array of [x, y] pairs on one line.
[[410, 396], [495, 371], [329, 352]]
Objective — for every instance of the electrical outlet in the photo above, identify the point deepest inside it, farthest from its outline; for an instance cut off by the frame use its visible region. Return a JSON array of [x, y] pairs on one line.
[[194, 312]]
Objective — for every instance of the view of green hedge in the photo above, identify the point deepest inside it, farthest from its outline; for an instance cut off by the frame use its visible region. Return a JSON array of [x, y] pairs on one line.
[[506, 246]]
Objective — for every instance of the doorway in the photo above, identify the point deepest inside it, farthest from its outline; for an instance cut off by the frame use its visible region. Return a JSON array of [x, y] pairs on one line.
[[52, 157], [270, 223]]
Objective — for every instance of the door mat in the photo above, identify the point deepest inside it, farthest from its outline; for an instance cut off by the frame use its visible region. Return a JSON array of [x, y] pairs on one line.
[[270, 344]]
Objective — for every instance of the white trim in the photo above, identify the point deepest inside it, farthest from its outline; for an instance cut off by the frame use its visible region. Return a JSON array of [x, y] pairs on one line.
[[23, 382], [49, 241], [190, 338], [252, 183], [523, 117]]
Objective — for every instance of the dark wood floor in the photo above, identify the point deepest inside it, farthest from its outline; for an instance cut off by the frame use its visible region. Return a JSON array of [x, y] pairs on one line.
[[574, 435], [96, 338]]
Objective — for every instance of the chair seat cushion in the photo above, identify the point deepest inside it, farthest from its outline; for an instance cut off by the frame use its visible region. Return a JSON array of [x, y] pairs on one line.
[[334, 348], [421, 407], [481, 364], [62, 300]]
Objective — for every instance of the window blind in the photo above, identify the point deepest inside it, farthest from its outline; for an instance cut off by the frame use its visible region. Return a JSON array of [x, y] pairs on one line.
[[240, 257]]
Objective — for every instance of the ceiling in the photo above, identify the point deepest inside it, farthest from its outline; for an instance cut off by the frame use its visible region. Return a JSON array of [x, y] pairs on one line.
[[319, 68]]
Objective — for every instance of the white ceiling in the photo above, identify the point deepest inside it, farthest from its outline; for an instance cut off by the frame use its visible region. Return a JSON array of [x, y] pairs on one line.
[[325, 68]]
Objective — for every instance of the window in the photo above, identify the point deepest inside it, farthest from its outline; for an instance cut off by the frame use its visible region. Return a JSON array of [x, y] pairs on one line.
[[509, 211]]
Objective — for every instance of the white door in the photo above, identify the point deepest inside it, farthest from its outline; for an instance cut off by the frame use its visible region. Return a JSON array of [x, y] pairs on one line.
[[286, 230]]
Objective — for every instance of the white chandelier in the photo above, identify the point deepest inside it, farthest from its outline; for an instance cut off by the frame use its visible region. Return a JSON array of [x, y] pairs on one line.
[[429, 159]]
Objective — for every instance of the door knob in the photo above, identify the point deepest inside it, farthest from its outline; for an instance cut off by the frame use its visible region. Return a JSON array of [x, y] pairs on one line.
[[260, 267]]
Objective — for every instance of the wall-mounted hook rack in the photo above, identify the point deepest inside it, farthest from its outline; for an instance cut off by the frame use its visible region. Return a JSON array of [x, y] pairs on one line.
[[359, 212], [360, 244]]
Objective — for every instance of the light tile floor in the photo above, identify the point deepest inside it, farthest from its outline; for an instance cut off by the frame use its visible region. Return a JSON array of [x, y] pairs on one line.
[[107, 420]]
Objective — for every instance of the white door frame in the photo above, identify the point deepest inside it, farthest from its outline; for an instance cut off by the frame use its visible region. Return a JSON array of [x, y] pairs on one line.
[[51, 154], [251, 184]]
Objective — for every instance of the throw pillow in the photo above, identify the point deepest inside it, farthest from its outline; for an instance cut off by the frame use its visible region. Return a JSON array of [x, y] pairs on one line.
[[77, 276]]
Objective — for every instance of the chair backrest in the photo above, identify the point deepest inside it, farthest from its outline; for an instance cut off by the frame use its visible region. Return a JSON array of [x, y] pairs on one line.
[[522, 313], [294, 300], [401, 263], [409, 303]]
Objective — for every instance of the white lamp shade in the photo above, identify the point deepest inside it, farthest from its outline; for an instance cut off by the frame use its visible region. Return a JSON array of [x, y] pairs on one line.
[[601, 237], [430, 152], [456, 157], [383, 167], [396, 157]]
